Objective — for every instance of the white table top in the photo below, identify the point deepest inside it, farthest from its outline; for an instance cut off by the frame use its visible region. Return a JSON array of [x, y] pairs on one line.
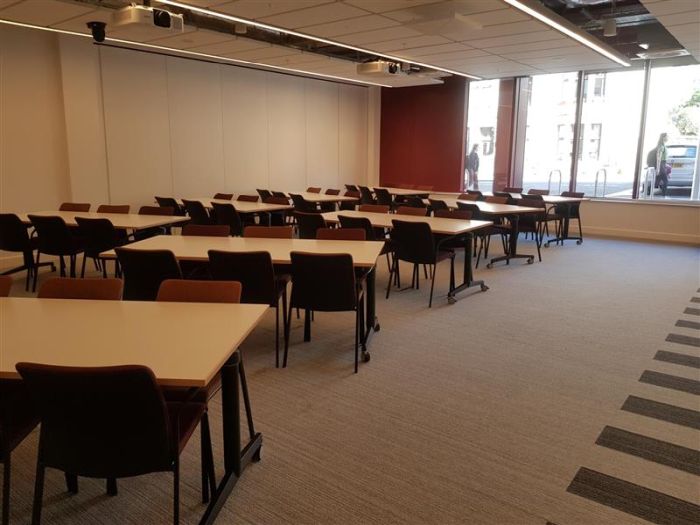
[[490, 208], [558, 199], [244, 206], [437, 224], [403, 191], [184, 344], [194, 248], [131, 221], [322, 197]]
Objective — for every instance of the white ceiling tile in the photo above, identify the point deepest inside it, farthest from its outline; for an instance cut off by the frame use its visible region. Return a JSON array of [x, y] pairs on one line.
[[670, 7], [521, 38], [408, 43], [255, 9], [443, 57], [79, 23], [320, 14], [382, 6], [532, 46], [43, 12], [378, 35], [514, 28], [425, 51], [688, 17], [350, 25]]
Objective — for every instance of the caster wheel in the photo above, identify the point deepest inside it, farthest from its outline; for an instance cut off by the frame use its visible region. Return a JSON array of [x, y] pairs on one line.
[[484, 287], [579, 242], [256, 456], [365, 357], [451, 300], [530, 261], [489, 265]]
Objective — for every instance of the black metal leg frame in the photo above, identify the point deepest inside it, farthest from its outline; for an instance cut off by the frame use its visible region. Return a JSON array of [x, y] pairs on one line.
[[233, 383], [564, 230], [468, 280], [513, 245]]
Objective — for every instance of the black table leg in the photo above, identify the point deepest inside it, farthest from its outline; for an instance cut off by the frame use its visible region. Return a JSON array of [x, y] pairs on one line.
[[512, 245], [371, 320], [235, 459], [564, 233], [468, 279]]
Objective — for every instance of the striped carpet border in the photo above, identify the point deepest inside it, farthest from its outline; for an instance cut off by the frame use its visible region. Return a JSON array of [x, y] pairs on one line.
[[682, 323], [678, 359], [683, 340], [662, 411], [692, 311], [682, 384]]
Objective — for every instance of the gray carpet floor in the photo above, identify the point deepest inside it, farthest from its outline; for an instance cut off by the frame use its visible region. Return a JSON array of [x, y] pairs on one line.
[[479, 412]]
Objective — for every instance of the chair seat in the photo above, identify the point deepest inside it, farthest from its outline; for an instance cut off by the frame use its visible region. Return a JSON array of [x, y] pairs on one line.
[[18, 416], [185, 417]]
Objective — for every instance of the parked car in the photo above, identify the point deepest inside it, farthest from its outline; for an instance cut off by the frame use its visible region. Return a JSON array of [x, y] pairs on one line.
[[682, 158]]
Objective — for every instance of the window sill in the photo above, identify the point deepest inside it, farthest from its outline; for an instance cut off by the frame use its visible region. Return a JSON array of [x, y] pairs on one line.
[[682, 203]]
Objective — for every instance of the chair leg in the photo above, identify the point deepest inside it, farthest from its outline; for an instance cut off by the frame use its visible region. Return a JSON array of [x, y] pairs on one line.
[[432, 286], [36, 271], [112, 485], [392, 271], [286, 339], [176, 492], [277, 333], [62, 266], [452, 273], [82, 268], [478, 255], [357, 336], [285, 320], [72, 260], [538, 241], [104, 268], [71, 483], [580, 230], [38, 494], [7, 468]]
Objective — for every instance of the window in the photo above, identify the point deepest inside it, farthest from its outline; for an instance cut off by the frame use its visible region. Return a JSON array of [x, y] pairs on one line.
[[594, 141], [481, 131]]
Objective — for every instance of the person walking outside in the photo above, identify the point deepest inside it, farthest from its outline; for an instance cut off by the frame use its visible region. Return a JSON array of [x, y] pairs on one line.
[[473, 168], [662, 168]]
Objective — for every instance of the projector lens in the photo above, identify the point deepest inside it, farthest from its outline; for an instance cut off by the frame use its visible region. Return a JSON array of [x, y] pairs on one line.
[[161, 18]]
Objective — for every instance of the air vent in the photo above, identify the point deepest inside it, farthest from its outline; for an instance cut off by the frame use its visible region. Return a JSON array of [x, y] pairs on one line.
[[665, 53]]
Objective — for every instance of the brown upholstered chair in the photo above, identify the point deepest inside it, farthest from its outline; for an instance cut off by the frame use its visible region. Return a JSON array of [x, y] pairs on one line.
[[331, 191], [497, 199], [512, 189], [410, 210], [74, 206], [468, 197], [113, 208], [206, 230], [269, 232], [326, 283], [63, 288], [144, 270], [312, 189], [248, 198], [223, 196], [341, 234], [110, 422], [188, 291], [534, 191], [462, 215], [5, 285], [374, 208]]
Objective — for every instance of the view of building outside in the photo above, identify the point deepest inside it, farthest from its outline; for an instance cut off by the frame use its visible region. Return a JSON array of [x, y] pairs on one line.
[[549, 136], [674, 108], [610, 115], [481, 130]]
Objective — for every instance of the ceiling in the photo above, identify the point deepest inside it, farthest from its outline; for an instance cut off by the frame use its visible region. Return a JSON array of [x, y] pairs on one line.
[[681, 18], [486, 38]]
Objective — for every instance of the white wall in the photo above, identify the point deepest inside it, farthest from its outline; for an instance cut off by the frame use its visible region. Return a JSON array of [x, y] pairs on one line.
[[98, 124]]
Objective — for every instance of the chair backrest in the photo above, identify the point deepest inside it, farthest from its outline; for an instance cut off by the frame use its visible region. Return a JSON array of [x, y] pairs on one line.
[[512, 189], [53, 234], [575, 194], [497, 199], [206, 230], [269, 232], [341, 234], [308, 224], [534, 191], [227, 215], [471, 208], [248, 198], [5, 285], [509, 198], [190, 291], [67, 288], [462, 215], [352, 187], [279, 194], [532, 198], [410, 210], [414, 241], [254, 270], [301, 204], [365, 195], [223, 196], [437, 204], [156, 210], [374, 208], [573, 210], [113, 208], [468, 197], [349, 193], [197, 212], [13, 234], [313, 189], [169, 202], [100, 422], [277, 200], [74, 206], [475, 192], [144, 270], [415, 202], [323, 282], [331, 191], [264, 194], [358, 222], [99, 235], [383, 196]]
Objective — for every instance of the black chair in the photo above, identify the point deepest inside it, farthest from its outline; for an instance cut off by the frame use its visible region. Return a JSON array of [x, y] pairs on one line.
[[279, 194], [414, 243], [264, 194], [366, 196], [483, 235], [145, 233], [536, 200], [18, 417], [537, 192], [352, 187], [326, 283], [436, 205], [512, 189], [197, 212], [223, 196], [169, 202], [302, 205], [14, 238], [350, 205], [276, 218], [507, 195], [226, 214], [247, 198], [571, 210], [479, 195], [75, 206], [99, 235], [371, 233], [331, 191], [254, 270], [414, 202], [144, 270], [110, 423], [313, 189], [533, 223], [55, 238], [308, 223], [384, 197]]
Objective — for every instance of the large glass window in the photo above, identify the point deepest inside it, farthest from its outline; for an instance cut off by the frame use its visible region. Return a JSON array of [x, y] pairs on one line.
[[610, 115], [551, 117], [673, 109], [482, 117]]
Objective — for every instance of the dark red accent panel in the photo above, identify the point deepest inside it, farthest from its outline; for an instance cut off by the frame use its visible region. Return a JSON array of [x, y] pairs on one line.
[[422, 135]]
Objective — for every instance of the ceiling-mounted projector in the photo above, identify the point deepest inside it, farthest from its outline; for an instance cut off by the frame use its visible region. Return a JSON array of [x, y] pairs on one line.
[[138, 15], [379, 68]]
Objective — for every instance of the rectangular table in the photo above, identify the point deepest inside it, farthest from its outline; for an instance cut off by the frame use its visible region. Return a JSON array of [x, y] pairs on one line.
[[128, 221], [404, 192], [448, 228], [193, 248], [185, 344], [321, 198], [245, 206]]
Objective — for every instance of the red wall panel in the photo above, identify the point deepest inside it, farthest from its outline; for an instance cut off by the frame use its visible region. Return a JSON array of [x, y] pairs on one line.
[[422, 135]]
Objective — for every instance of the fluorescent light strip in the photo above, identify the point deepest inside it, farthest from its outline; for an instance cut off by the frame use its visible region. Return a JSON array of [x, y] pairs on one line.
[[193, 53], [586, 41], [277, 29]]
